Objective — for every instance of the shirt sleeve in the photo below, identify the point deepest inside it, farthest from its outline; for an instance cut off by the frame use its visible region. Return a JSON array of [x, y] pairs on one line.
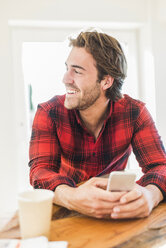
[[45, 154], [149, 152]]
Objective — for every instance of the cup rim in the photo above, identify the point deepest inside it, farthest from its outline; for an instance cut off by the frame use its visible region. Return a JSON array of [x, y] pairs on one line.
[[22, 195]]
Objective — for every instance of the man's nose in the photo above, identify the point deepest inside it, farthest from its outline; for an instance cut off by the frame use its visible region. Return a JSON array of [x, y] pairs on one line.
[[67, 78]]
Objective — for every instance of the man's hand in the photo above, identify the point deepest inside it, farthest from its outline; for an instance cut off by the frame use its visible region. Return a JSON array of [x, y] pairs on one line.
[[90, 198], [138, 203]]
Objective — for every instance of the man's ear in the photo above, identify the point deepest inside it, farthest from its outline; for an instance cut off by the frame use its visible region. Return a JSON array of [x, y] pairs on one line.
[[107, 82]]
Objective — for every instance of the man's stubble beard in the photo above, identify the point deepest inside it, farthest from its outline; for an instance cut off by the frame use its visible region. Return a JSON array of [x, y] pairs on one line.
[[88, 98]]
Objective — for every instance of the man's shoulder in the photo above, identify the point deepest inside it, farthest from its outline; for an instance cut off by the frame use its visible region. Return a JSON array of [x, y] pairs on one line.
[[56, 102], [129, 107], [128, 102]]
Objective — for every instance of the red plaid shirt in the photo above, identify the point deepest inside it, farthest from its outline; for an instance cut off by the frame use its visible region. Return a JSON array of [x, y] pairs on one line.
[[63, 152]]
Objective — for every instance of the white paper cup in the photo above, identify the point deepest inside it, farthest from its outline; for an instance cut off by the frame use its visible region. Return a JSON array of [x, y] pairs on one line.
[[35, 210]]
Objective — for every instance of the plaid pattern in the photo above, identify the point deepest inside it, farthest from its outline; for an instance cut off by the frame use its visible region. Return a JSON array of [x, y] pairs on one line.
[[63, 152]]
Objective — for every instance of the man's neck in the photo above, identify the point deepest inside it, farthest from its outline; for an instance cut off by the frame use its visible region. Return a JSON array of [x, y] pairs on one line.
[[93, 117]]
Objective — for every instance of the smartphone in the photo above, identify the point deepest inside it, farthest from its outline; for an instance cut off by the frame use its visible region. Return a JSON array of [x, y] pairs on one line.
[[121, 181]]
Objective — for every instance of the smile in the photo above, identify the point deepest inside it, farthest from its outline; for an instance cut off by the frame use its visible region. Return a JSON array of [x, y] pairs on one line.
[[71, 92]]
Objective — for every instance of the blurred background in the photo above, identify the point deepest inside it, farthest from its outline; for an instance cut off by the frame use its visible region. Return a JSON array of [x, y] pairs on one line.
[[33, 49]]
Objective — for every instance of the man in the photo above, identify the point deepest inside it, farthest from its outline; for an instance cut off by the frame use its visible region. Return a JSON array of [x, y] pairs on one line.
[[90, 131]]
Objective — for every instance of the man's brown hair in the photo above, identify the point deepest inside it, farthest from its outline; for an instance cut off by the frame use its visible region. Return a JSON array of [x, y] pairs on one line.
[[109, 57]]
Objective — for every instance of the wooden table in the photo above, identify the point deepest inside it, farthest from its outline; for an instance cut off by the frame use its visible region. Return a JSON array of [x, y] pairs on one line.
[[86, 232]]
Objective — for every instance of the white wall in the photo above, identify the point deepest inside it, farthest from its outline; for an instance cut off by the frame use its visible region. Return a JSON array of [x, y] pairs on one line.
[[123, 11], [159, 48]]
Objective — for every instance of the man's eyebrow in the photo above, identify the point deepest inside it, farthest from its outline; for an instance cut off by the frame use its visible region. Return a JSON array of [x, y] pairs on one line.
[[77, 66]]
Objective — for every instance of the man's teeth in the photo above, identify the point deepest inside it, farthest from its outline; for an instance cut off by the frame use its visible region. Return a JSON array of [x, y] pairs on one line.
[[71, 91]]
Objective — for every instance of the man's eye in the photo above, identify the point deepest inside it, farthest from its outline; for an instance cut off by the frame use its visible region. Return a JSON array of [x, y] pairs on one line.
[[77, 72]]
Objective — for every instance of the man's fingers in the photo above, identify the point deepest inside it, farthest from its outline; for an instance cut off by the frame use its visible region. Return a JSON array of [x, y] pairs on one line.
[[131, 214], [131, 196], [101, 182], [102, 193], [132, 206], [130, 210], [108, 196]]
